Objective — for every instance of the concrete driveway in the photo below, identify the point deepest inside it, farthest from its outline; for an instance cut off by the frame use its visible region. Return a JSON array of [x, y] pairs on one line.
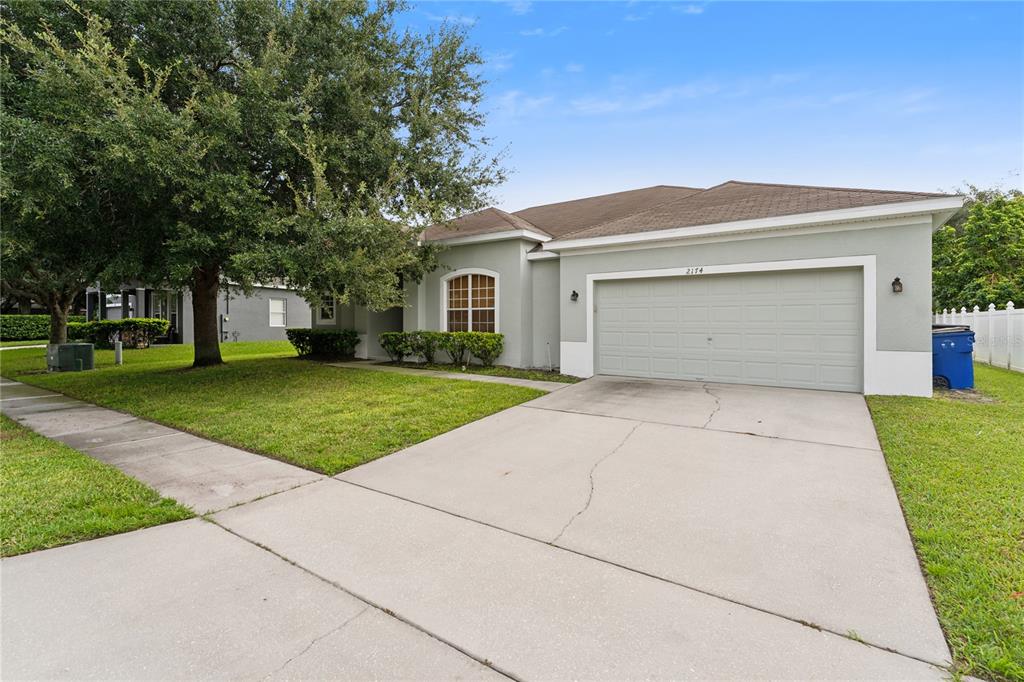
[[616, 529]]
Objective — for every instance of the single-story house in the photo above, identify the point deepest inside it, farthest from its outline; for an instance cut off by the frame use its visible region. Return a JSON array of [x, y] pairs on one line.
[[754, 283], [263, 316]]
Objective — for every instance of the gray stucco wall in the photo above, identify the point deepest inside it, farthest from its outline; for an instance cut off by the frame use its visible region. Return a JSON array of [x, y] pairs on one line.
[[546, 309], [249, 316], [367, 324], [903, 320], [515, 317]]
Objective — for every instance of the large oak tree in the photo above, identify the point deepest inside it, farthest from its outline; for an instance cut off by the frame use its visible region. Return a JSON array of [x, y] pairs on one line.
[[328, 138]]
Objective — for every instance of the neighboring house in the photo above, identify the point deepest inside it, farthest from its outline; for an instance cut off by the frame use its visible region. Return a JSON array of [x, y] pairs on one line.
[[777, 285], [264, 316]]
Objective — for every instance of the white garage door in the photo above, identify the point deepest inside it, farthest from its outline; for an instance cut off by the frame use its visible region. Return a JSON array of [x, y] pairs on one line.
[[798, 328]]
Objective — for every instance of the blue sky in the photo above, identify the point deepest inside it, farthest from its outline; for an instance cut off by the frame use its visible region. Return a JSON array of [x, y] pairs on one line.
[[594, 97]]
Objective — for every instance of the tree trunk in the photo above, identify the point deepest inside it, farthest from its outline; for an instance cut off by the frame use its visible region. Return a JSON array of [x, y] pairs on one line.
[[59, 320], [205, 288]]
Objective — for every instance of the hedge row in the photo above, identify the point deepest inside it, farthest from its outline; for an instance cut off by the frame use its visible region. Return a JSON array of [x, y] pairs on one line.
[[324, 343], [29, 327], [484, 346], [134, 332]]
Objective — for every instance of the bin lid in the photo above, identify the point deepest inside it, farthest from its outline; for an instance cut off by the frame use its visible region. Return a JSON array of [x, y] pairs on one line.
[[949, 328]]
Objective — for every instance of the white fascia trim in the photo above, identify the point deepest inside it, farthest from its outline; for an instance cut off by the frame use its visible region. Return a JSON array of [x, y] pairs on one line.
[[528, 235], [577, 357], [471, 271], [542, 255], [923, 207]]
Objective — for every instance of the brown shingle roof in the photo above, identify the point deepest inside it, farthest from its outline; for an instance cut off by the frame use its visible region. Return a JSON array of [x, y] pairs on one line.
[[570, 216], [732, 201], [665, 207], [487, 221]]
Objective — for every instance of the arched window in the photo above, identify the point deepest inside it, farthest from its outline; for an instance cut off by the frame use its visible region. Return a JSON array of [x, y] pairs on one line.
[[471, 303]]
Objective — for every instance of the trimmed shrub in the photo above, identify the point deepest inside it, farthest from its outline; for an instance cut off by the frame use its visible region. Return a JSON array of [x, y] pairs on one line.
[[485, 346], [134, 332], [454, 344], [425, 344], [396, 344], [327, 344], [29, 327], [76, 331]]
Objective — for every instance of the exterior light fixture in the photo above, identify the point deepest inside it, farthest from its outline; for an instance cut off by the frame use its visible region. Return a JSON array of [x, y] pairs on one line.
[[897, 286], [574, 296]]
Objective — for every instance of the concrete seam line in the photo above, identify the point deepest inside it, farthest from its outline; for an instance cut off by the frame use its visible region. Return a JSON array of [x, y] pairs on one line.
[[798, 621], [718, 405], [416, 626], [685, 426]]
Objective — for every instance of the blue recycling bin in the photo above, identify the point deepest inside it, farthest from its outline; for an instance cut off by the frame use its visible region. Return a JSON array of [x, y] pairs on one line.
[[952, 358]]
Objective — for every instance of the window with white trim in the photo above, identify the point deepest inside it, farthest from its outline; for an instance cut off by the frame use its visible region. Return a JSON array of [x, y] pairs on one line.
[[278, 312], [472, 304], [326, 310]]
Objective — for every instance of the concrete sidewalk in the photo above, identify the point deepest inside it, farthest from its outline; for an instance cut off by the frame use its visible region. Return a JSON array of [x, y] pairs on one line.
[[201, 474]]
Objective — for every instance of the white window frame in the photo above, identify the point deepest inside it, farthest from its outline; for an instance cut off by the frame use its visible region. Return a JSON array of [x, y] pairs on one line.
[[471, 271], [270, 309], [320, 308]]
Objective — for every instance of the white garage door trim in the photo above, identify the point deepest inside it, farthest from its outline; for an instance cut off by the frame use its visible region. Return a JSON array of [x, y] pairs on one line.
[[884, 371]]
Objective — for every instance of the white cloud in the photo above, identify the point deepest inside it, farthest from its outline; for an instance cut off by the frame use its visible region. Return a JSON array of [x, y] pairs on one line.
[[461, 19], [516, 104], [635, 17], [643, 101], [498, 61], [573, 67], [543, 32], [688, 9], [520, 6]]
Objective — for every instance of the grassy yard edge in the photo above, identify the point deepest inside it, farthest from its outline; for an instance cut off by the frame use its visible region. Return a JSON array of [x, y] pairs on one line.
[[54, 495], [955, 489]]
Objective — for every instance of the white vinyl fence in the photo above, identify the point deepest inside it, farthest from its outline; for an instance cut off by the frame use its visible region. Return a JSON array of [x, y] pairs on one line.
[[998, 334]]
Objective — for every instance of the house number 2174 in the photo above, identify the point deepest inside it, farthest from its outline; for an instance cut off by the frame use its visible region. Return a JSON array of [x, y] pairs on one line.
[[693, 271]]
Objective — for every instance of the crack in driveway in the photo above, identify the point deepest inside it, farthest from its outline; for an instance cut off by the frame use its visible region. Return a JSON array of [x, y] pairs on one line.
[[590, 495], [313, 641], [718, 405]]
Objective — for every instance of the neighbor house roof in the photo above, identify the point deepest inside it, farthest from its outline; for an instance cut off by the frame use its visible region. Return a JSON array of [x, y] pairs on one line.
[[666, 207]]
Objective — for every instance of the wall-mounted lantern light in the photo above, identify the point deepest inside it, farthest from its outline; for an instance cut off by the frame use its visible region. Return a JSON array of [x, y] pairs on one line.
[[897, 286], [574, 296]]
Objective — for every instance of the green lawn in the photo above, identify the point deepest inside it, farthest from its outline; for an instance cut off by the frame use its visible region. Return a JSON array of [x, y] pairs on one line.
[[52, 495], [264, 399], [958, 466], [495, 371]]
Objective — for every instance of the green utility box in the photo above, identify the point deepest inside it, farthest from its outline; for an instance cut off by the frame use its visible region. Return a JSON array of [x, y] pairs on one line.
[[69, 357]]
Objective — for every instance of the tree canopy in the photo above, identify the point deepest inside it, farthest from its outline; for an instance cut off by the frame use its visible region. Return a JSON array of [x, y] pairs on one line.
[[316, 140], [82, 140], [979, 258]]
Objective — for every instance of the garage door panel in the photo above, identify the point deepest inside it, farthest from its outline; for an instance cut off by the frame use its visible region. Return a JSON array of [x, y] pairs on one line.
[[841, 344], [755, 342], [798, 313], [798, 329], [668, 314], [760, 313]]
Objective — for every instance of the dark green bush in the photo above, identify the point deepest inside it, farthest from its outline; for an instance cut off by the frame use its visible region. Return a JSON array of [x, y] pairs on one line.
[[29, 327], [327, 344], [425, 344], [134, 332], [485, 346], [76, 331], [396, 344], [454, 344]]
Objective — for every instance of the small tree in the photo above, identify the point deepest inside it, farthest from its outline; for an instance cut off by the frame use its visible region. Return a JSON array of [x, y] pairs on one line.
[[979, 259]]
